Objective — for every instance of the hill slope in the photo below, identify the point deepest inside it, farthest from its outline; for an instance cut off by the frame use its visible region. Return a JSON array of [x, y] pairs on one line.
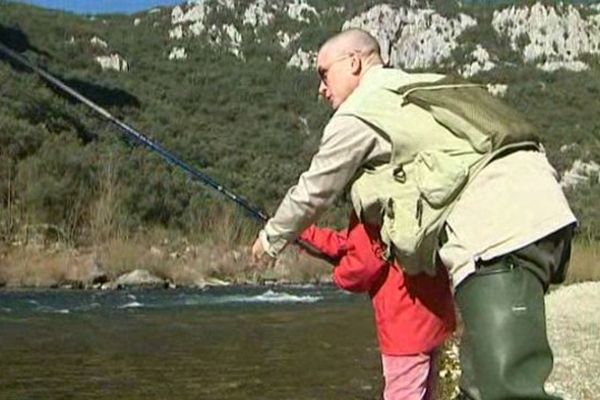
[[228, 86]]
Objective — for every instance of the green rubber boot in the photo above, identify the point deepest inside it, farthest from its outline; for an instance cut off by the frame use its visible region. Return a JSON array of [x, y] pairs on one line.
[[468, 387], [505, 352]]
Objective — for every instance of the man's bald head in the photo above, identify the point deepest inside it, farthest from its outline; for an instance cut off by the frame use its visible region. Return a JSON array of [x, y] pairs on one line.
[[353, 41], [342, 62]]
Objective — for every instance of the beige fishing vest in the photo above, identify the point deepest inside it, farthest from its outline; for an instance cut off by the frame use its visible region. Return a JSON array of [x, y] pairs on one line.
[[441, 133]]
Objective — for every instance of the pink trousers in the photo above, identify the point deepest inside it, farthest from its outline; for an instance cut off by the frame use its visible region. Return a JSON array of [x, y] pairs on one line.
[[409, 377]]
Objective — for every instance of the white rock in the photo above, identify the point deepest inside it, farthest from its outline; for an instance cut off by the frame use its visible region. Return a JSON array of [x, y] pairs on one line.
[[481, 62], [304, 122], [299, 10], [196, 12], [215, 36], [575, 66], [96, 41], [202, 283], [137, 21], [216, 282], [138, 277], [567, 147], [497, 89], [229, 4], [235, 38], [108, 286], [196, 28], [553, 34], [176, 33], [381, 21], [228, 37], [580, 172], [285, 38], [178, 53], [303, 60], [176, 15], [193, 15], [427, 39], [412, 38], [114, 61], [257, 15]]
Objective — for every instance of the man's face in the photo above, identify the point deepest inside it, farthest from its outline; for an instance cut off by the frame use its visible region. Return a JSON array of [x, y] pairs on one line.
[[338, 74]]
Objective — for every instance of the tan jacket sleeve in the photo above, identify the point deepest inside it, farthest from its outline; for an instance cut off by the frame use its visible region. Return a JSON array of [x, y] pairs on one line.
[[347, 144]]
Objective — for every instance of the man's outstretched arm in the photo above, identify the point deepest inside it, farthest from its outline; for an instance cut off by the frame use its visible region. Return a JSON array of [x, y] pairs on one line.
[[347, 144]]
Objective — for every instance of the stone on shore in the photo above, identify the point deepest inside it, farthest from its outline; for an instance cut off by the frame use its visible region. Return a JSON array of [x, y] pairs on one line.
[[139, 277]]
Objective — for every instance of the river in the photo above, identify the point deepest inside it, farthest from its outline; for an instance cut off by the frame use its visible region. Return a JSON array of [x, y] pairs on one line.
[[297, 342]]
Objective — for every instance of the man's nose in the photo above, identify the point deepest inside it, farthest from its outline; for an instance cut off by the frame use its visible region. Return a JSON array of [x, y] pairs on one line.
[[322, 88]]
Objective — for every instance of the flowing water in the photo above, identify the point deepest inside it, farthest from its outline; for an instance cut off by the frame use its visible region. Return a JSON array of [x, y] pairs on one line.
[[302, 342]]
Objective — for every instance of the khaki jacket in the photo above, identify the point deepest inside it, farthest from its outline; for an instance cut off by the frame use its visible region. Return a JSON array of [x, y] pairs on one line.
[[499, 212]]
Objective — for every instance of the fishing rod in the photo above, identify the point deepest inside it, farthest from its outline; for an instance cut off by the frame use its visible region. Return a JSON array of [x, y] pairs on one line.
[[169, 156]]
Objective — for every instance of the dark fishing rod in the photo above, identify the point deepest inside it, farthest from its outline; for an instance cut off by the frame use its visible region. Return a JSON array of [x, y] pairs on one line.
[[139, 137], [170, 157]]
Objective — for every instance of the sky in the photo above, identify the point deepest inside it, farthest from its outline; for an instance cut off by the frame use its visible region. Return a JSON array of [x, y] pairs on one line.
[[101, 6], [132, 6]]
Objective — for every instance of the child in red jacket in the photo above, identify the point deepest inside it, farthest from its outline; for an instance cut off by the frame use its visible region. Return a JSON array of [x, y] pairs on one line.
[[414, 314]]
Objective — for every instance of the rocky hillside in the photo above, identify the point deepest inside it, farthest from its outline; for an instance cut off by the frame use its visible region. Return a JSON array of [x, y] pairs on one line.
[[229, 85]]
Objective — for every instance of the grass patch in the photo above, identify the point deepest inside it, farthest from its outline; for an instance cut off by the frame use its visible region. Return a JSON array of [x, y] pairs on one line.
[[164, 253], [585, 262], [38, 268]]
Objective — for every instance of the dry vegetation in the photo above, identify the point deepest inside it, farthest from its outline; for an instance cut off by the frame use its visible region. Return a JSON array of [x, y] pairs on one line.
[[585, 262], [218, 251], [176, 259]]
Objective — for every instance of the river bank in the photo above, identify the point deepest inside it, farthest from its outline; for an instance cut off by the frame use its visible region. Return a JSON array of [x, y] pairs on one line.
[[178, 262], [161, 263]]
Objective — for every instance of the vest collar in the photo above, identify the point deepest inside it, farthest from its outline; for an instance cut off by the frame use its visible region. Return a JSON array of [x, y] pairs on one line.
[[375, 71], [371, 74]]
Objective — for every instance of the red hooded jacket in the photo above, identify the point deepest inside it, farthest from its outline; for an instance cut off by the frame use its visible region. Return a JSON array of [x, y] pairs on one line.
[[413, 314]]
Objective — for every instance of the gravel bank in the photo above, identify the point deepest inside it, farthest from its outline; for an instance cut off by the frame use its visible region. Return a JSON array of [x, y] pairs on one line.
[[573, 314]]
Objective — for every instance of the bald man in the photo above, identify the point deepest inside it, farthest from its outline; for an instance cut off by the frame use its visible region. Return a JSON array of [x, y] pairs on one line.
[[506, 237], [346, 145]]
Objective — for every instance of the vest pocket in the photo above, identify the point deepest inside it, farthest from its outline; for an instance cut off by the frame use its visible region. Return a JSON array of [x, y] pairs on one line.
[[410, 203], [415, 210], [439, 177], [410, 236]]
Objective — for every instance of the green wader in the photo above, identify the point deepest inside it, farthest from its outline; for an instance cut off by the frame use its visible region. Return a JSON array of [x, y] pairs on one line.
[[505, 354]]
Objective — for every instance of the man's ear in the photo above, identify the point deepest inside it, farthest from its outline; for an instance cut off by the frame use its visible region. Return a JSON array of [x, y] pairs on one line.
[[356, 65]]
